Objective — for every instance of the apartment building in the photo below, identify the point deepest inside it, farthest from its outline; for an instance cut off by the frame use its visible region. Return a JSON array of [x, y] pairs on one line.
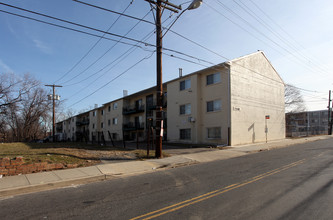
[[228, 103], [236, 102], [82, 127], [68, 128], [307, 123]]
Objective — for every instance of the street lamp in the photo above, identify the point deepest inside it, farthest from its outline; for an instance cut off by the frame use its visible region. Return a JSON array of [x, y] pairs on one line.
[[194, 5], [159, 87]]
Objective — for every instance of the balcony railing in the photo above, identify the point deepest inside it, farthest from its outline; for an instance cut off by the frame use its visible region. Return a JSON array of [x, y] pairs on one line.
[[81, 123], [152, 106], [132, 109], [132, 126]]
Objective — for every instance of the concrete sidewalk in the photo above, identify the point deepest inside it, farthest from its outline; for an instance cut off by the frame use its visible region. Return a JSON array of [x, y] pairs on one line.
[[13, 185]]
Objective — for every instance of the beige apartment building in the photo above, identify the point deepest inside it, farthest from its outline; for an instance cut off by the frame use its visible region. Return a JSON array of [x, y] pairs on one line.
[[237, 102]]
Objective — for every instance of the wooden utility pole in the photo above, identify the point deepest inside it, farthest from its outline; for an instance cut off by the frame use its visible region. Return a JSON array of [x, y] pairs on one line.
[[329, 130], [53, 98], [159, 87], [161, 5]]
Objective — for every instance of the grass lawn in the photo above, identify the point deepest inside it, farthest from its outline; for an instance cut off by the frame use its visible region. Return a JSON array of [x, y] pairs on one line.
[[69, 153]]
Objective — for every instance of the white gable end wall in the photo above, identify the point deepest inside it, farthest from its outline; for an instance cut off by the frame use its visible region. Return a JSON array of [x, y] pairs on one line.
[[256, 91]]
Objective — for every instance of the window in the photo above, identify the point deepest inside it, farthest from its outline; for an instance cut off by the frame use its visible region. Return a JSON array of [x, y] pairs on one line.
[[93, 126], [109, 108], [138, 104], [115, 121], [115, 106], [109, 122], [185, 134], [102, 112], [102, 125], [185, 109], [185, 84], [214, 133], [213, 78], [214, 106], [94, 113]]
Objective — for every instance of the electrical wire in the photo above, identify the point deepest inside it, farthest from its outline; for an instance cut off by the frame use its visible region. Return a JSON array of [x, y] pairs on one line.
[[99, 58], [174, 32], [121, 57], [76, 30], [250, 12], [88, 52], [115, 12], [124, 37], [119, 75], [70, 22], [113, 39], [281, 28], [296, 58]]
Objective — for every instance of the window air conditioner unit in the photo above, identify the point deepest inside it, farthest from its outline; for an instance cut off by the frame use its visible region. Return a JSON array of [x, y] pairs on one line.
[[191, 119]]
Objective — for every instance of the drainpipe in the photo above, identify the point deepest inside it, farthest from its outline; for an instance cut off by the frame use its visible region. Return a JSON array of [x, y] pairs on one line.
[[228, 65]]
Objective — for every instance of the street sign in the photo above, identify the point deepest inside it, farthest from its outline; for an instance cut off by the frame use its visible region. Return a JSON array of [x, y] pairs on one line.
[[267, 116]]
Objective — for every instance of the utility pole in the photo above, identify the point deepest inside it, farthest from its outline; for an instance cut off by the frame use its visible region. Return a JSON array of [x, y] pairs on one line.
[[159, 87], [53, 98], [329, 131], [159, 84]]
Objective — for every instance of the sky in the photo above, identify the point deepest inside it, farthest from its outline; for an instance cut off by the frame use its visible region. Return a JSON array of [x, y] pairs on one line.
[[295, 35]]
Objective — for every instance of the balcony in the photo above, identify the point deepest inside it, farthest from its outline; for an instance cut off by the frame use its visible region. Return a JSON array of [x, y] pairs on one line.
[[152, 106], [81, 123], [133, 109], [133, 126]]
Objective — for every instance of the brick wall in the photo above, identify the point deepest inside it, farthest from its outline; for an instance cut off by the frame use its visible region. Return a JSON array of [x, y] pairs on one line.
[[9, 167]]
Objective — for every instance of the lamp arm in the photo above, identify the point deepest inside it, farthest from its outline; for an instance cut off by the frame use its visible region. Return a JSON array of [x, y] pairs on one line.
[[173, 22]]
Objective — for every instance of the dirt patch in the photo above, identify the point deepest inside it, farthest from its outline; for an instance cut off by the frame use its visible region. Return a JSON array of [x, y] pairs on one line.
[[70, 155]]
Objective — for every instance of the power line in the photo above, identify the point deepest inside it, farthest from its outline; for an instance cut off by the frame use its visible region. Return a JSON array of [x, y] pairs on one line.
[[297, 59], [121, 57], [279, 26], [76, 30], [128, 52], [115, 40], [279, 36], [88, 52], [115, 12], [70, 22], [120, 36], [147, 57], [99, 58]]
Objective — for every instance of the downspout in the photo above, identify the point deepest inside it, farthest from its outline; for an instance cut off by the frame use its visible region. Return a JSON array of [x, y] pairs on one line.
[[229, 97]]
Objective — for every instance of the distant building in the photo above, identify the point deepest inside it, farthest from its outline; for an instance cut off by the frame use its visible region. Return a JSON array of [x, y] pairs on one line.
[[307, 123], [226, 104]]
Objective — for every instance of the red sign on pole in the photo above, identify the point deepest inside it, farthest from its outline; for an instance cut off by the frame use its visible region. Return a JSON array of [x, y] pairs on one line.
[[267, 116]]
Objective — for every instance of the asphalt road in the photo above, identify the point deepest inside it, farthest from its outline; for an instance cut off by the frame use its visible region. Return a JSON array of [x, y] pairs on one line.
[[289, 183]]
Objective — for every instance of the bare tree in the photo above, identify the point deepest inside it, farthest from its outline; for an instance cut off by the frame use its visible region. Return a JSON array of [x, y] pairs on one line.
[[12, 88], [24, 107], [293, 99]]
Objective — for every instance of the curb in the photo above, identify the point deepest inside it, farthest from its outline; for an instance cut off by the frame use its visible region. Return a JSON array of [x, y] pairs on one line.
[[49, 186], [149, 166]]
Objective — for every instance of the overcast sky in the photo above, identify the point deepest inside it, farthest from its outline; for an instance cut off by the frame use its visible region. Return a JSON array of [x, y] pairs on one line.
[[296, 36]]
